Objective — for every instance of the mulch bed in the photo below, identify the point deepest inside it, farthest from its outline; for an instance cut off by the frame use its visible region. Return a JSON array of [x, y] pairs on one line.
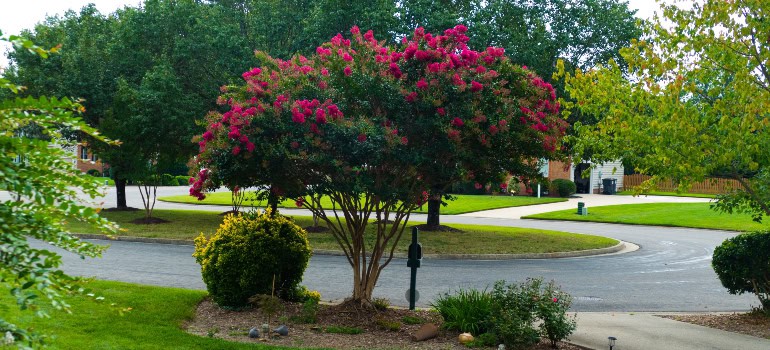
[[149, 221], [211, 320], [753, 323]]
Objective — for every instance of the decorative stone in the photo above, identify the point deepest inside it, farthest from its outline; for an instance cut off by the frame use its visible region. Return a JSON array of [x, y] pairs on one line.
[[253, 333], [427, 331], [465, 338], [282, 330]]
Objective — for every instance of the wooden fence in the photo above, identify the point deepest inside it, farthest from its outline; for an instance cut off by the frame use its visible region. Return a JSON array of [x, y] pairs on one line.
[[710, 186]]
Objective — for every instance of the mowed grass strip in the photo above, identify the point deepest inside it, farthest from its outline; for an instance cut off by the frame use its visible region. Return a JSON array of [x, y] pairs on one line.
[[461, 205], [670, 194], [187, 224], [697, 215], [155, 320]]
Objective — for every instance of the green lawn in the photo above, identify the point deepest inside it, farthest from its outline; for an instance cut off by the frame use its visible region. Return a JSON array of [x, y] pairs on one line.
[[186, 224], [673, 194], [697, 215], [154, 322], [463, 204]]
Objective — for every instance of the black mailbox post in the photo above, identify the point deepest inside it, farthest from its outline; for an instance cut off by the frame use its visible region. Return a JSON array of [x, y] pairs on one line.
[[414, 259]]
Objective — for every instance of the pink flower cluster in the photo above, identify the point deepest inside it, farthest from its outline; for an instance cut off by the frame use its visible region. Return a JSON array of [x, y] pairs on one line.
[[196, 184]]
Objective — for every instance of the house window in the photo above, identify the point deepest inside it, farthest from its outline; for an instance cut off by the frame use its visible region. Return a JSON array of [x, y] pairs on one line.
[[94, 157], [83, 152]]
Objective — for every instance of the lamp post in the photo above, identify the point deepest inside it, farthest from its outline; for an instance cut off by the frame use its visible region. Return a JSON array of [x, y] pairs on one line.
[[612, 341]]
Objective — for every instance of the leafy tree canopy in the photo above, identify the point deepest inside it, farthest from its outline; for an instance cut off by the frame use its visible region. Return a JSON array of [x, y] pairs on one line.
[[695, 101]]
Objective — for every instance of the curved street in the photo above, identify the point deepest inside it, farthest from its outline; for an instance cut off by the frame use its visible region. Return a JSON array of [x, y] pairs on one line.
[[670, 272]]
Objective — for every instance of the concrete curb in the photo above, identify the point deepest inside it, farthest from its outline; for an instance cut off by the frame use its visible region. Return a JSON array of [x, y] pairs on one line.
[[588, 252]]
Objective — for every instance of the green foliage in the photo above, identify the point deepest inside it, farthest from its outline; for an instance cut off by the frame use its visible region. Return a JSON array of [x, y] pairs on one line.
[[384, 324], [483, 340], [693, 103], [564, 187], [545, 186], [412, 320], [343, 330], [743, 265], [552, 310], [248, 253], [466, 310], [381, 304], [309, 312], [182, 180], [43, 191], [517, 307], [94, 173]]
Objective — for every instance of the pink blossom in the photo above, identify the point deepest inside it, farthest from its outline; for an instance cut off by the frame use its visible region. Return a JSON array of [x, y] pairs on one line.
[[461, 29], [481, 70], [294, 144], [478, 186], [320, 116], [347, 57], [457, 122], [322, 85], [395, 70], [404, 140], [555, 300], [208, 136], [422, 84], [503, 185], [301, 201], [441, 111], [411, 97], [297, 116], [324, 72], [476, 86], [369, 35], [249, 147], [361, 137], [355, 30], [348, 71], [244, 138], [314, 129], [236, 150], [493, 129]]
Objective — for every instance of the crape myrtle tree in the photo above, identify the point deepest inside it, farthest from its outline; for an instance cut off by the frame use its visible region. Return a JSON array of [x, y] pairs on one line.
[[375, 129], [696, 102]]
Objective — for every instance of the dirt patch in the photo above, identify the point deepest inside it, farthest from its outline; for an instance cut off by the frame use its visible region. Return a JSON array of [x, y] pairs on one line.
[[211, 320], [754, 323], [121, 209], [316, 229], [149, 221], [439, 228]]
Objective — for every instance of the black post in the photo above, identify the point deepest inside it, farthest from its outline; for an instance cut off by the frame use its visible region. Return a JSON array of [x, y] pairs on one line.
[[415, 254]]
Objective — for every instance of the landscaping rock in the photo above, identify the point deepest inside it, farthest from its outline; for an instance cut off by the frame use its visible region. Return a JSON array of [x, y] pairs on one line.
[[253, 333], [282, 330], [427, 331]]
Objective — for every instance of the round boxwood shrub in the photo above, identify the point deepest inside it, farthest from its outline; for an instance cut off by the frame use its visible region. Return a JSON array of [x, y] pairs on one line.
[[241, 259], [563, 187], [743, 265]]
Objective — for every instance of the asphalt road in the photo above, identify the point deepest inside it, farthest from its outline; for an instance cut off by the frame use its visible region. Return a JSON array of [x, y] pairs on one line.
[[670, 272]]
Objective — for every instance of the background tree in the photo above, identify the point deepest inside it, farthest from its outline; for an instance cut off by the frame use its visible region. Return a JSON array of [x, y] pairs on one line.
[[45, 196], [127, 65], [696, 101], [374, 128]]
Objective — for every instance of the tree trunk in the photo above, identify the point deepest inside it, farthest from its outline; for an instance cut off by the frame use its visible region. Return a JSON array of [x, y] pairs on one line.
[[434, 207], [120, 189]]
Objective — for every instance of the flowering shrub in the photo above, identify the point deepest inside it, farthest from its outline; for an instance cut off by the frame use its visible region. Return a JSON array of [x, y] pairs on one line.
[[376, 128], [516, 307]]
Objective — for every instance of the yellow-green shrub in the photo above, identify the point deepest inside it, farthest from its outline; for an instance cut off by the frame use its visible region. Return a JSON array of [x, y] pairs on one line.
[[247, 251]]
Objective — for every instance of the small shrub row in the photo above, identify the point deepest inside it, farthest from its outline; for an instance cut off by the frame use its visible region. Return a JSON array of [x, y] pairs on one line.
[[563, 187], [508, 313]]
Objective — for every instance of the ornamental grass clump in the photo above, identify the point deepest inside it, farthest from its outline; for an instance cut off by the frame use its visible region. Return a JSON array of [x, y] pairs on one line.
[[241, 259]]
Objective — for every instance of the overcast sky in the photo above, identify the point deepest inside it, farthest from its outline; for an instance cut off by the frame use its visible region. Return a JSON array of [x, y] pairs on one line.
[[24, 14]]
